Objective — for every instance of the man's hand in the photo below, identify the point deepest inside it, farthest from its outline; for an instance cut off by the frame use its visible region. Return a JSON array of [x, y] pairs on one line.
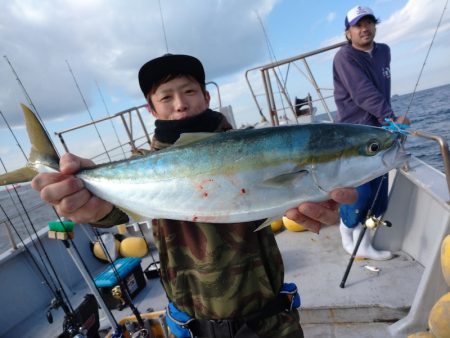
[[403, 120], [313, 214], [67, 193]]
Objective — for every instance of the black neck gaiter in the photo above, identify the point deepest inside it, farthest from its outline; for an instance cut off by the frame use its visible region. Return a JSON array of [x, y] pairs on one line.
[[168, 131]]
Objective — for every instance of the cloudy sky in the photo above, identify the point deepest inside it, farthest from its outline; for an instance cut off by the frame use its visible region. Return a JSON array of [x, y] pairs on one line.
[[104, 42]]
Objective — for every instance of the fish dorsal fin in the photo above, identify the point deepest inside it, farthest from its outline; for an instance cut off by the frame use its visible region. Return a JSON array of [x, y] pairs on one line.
[[286, 179], [189, 138]]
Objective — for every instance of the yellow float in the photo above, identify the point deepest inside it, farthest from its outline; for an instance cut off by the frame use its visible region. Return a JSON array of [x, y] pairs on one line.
[[422, 335], [133, 247], [292, 226], [439, 319], [100, 254], [276, 225], [445, 259]]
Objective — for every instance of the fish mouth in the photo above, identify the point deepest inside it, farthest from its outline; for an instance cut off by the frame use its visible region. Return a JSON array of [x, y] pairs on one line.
[[396, 156]]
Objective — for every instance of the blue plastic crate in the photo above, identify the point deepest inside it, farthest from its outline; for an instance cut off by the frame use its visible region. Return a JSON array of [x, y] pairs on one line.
[[130, 271], [124, 267]]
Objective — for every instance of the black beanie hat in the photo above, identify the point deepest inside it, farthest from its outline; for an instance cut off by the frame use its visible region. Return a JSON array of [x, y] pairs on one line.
[[169, 64]]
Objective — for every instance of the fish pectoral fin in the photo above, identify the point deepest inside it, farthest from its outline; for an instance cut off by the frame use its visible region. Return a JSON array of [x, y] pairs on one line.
[[136, 217], [189, 138], [266, 223], [286, 179]]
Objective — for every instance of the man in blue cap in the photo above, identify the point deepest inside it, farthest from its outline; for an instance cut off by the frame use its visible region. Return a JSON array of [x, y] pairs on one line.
[[362, 92]]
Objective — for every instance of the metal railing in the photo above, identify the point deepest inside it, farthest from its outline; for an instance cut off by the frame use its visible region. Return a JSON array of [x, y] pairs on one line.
[[443, 148], [126, 116], [267, 83]]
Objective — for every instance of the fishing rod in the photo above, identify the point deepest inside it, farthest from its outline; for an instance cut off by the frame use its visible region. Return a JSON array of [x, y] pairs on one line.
[[112, 124], [163, 26], [67, 308], [371, 222], [28, 217], [88, 110], [70, 326], [40, 250], [14, 136], [426, 57], [61, 299], [154, 262], [273, 58], [28, 250], [11, 197], [144, 333], [24, 90], [90, 281], [21, 84]]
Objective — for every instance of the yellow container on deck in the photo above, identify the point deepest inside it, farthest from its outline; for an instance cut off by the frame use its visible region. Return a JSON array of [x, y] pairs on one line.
[[157, 323], [293, 226]]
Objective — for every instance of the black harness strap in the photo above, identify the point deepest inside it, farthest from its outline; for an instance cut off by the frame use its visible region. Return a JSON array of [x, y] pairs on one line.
[[239, 328]]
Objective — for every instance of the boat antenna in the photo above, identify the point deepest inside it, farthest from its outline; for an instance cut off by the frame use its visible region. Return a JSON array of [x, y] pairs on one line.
[[426, 57], [89, 112], [163, 26], [112, 123]]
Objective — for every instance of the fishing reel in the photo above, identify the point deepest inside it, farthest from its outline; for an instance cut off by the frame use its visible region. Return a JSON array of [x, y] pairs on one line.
[[373, 222], [135, 331], [54, 305], [116, 292]]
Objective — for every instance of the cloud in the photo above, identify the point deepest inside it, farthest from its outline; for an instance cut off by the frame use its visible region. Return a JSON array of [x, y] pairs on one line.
[[331, 17], [416, 21], [108, 40]]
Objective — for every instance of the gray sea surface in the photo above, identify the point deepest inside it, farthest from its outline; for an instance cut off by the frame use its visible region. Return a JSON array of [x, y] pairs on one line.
[[429, 111]]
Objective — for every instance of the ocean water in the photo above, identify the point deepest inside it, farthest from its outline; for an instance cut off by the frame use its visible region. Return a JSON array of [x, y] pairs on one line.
[[429, 112]]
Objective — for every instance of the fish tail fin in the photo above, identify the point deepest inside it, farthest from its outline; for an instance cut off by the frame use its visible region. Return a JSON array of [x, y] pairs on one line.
[[43, 155]]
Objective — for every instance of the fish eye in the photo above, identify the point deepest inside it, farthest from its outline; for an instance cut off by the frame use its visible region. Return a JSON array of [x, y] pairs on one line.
[[372, 147]]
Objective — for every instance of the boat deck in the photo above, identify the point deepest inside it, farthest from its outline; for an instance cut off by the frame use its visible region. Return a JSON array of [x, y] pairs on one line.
[[316, 263]]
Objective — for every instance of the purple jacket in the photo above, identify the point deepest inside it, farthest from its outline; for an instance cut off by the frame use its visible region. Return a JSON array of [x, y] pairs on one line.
[[362, 85]]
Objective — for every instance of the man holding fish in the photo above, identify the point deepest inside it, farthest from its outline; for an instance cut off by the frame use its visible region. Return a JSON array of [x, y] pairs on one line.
[[228, 277]]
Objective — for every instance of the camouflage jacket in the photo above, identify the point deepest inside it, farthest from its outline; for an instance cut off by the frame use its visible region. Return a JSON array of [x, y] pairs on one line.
[[222, 271]]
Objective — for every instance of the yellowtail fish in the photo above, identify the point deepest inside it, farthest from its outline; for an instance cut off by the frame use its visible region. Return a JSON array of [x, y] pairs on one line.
[[235, 176]]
